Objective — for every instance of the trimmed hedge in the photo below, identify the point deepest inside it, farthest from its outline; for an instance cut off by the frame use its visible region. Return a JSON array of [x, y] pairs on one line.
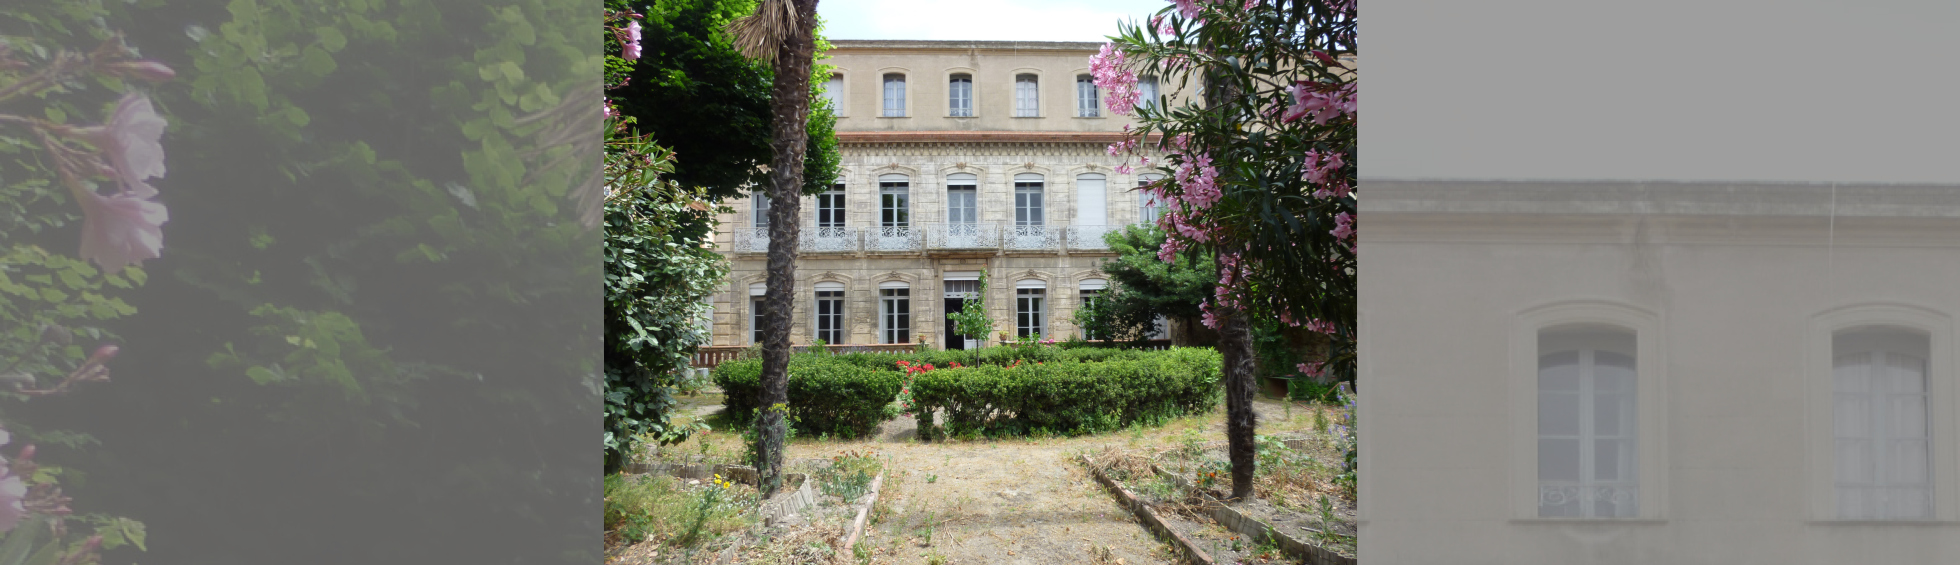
[[1061, 391], [851, 399]]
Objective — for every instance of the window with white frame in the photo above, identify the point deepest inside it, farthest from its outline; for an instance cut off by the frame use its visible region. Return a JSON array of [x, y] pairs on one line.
[[894, 201], [1027, 96], [1880, 424], [1030, 308], [894, 95], [1149, 207], [1588, 453], [1090, 289], [959, 96], [761, 205], [755, 311], [962, 198], [1027, 199], [833, 90], [829, 312], [1147, 91], [1087, 104], [830, 208], [895, 312]]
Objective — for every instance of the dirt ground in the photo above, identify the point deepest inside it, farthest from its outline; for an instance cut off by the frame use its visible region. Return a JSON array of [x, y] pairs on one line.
[[1013, 502]]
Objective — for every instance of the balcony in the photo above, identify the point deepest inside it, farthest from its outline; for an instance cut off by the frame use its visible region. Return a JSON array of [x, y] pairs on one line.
[[932, 238]]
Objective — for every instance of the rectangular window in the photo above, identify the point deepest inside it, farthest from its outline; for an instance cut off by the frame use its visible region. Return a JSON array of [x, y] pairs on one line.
[[894, 95], [1880, 422], [1027, 96], [830, 208], [1027, 203], [830, 316], [1586, 449], [1029, 311], [894, 204], [1088, 301], [1147, 92], [833, 90], [895, 314], [1149, 207], [1086, 104], [960, 96], [962, 204], [761, 201], [755, 320]]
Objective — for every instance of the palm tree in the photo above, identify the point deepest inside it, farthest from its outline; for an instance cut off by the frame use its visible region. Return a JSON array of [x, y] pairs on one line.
[[782, 33]]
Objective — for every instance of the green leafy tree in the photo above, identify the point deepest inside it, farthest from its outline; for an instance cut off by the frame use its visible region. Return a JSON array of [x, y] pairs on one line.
[[697, 95], [972, 320], [1145, 287]]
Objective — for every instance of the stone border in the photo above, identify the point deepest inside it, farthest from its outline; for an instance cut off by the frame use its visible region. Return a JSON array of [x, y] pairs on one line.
[[1150, 519], [1259, 531], [864, 512]]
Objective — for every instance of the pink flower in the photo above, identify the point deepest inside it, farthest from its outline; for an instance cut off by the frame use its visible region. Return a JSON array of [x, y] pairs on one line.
[[1110, 74], [631, 50], [1344, 227], [120, 230], [1320, 101], [132, 141], [1189, 8]]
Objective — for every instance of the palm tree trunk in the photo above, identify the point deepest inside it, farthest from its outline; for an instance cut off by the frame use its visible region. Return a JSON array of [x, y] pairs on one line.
[[790, 109]]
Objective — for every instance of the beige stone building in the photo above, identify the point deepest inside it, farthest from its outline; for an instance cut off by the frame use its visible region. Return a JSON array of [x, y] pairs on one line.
[[1660, 372], [959, 157]]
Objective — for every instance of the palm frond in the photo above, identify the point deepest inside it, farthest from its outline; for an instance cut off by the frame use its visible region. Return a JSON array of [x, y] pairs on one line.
[[761, 35]]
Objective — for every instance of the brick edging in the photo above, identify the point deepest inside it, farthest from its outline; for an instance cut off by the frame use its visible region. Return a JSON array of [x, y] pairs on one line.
[[1150, 519], [1259, 531]]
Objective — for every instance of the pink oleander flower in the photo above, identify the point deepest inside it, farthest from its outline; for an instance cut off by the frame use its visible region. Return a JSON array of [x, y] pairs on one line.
[[1110, 74], [1188, 7], [132, 140], [120, 230], [1250, 3], [1310, 369], [1320, 102], [1123, 169], [631, 49], [1344, 227]]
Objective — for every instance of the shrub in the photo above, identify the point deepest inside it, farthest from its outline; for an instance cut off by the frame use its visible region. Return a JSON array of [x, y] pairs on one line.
[[827, 395], [1072, 395]]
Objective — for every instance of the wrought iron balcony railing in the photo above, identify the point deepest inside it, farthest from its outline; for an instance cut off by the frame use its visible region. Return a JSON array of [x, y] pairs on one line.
[[931, 237]]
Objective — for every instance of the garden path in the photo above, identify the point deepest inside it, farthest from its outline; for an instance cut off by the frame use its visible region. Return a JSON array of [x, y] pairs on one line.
[[1011, 502]]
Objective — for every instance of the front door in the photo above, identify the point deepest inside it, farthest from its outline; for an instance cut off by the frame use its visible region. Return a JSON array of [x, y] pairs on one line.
[[953, 339]]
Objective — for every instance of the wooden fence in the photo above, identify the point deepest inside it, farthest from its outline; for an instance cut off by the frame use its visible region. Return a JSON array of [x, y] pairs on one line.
[[709, 357]]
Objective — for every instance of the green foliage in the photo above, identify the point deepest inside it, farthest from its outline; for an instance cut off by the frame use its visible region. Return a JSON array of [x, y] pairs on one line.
[[828, 394], [638, 507], [658, 278], [696, 95], [1070, 395], [849, 476], [972, 319], [1145, 287]]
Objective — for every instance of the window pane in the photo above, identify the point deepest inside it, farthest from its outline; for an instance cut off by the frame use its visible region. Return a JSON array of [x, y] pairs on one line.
[[1558, 414], [1558, 459], [1607, 412], [1559, 371], [1606, 459]]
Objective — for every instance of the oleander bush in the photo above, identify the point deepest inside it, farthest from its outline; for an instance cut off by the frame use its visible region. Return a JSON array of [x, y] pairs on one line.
[[997, 391]]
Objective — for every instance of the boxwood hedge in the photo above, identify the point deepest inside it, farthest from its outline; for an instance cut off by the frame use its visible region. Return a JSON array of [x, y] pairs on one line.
[[1062, 391]]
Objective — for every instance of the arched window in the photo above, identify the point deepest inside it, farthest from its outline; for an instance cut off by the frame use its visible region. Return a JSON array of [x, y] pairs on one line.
[[894, 95], [959, 95], [829, 312], [1087, 104], [895, 312], [1587, 450], [1881, 424], [1030, 307], [1027, 96]]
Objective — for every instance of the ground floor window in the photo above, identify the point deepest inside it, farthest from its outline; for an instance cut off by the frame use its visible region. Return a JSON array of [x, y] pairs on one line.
[[1030, 309], [895, 313]]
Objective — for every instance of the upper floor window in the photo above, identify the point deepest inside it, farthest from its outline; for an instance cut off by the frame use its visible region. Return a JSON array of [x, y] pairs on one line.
[[962, 199], [1147, 92], [959, 96], [1881, 432], [1027, 96], [761, 200], [1149, 207], [1027, 199], [830, 208], [894, 201], [894, 95], [1587, 453], [833, 90], [1091, 200], [1086, 103]]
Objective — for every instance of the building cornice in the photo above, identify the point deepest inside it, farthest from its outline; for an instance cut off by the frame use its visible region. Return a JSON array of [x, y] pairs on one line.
[[850, 45], [887, 137]]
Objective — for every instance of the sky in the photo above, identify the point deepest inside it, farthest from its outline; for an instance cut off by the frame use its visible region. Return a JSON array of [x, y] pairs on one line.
[[998, 20]]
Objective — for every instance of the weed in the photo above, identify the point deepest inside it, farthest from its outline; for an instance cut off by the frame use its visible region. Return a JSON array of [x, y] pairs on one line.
[[931, 478], [656, 507], [849, 475], [1320, 421], [935, 558]]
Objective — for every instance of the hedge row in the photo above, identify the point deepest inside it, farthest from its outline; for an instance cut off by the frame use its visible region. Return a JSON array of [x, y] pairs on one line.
[[826, 395], [1068, 396], [1062, 391]]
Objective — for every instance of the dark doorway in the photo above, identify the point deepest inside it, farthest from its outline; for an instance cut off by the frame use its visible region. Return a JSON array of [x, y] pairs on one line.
[[953, 339]]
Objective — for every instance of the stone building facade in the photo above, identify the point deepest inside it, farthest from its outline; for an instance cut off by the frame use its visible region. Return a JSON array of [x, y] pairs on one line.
[[958, 157]]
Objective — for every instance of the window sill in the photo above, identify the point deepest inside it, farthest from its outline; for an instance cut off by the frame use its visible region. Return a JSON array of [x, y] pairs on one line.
[[962, 117], [1027, 117], [1888, 523], [1091, 118], [893, 117]]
